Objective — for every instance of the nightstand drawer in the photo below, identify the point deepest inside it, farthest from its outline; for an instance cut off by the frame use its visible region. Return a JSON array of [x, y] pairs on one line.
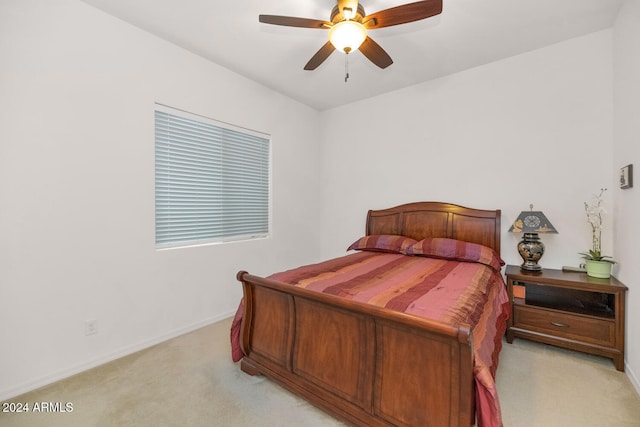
[[564, 325]]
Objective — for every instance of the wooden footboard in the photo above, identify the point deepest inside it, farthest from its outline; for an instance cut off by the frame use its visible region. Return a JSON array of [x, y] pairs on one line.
[[366, 365]]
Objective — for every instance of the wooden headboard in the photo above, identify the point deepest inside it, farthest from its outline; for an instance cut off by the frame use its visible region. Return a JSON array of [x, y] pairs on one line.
[[434, 219]]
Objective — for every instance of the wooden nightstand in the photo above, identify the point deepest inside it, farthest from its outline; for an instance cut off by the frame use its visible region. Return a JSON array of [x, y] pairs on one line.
[[570, 310]]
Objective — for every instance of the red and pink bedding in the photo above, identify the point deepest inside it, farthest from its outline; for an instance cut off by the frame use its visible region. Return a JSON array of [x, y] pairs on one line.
[[447, 280]]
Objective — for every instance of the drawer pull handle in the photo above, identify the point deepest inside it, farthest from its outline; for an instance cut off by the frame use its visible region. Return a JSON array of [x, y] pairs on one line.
[[560, 325]]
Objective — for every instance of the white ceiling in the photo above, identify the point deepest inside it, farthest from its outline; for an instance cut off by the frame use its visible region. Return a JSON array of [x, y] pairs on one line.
[[468, 33]]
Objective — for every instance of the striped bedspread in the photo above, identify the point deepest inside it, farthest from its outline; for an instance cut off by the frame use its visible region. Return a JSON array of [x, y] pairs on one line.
[[449, 291]]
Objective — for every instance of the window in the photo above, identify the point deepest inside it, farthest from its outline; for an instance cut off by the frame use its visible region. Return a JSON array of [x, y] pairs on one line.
[[212, 180]]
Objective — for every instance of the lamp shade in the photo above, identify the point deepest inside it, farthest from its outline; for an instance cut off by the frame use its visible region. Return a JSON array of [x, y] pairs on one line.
[[532, 222], [347, 36]]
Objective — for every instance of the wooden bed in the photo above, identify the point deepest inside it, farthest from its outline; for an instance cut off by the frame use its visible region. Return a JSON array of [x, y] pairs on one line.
[[367, 365]]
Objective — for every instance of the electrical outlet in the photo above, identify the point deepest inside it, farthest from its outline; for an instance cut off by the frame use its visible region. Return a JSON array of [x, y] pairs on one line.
[[90, 327]]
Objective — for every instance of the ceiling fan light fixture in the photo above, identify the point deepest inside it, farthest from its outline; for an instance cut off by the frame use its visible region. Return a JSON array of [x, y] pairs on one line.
[[347, 36]]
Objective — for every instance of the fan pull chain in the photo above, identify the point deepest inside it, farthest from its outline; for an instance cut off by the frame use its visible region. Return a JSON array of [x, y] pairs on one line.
[[346, 67]]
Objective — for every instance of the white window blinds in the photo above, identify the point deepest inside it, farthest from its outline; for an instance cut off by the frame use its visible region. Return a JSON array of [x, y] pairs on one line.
[[212, 180]]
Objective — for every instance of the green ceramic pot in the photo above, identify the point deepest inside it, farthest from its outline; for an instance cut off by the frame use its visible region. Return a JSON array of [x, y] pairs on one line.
[[599, 269]]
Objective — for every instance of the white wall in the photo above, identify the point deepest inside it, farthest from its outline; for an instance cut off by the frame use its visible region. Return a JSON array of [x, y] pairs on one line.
[[627, 150], [77, 93], [535, 128]]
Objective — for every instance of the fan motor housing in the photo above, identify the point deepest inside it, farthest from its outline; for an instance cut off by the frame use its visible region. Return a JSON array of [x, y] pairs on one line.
[[336, 16]]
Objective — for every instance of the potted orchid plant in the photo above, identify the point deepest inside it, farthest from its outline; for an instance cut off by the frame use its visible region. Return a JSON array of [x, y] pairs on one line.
[[597, 265]]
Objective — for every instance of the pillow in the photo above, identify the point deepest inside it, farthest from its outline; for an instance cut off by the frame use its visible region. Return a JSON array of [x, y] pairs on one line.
[[383, 243], [456, 250]]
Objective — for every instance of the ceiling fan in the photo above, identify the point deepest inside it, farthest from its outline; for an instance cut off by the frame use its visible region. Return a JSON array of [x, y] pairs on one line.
[[348, 25]]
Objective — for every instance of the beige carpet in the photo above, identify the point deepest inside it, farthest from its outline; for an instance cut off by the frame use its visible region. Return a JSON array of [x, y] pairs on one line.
[[191, 381]]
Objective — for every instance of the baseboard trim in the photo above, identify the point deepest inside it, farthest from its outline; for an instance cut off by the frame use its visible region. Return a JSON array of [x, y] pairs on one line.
[[101, 360], [632, 377]]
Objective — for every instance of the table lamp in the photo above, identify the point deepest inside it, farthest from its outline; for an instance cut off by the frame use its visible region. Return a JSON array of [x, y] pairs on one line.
[[530, 247]]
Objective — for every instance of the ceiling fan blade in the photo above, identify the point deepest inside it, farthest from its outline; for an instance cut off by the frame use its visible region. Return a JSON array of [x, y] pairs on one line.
[[375, 53], [320, 56], [290, 21], [402, 14]]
